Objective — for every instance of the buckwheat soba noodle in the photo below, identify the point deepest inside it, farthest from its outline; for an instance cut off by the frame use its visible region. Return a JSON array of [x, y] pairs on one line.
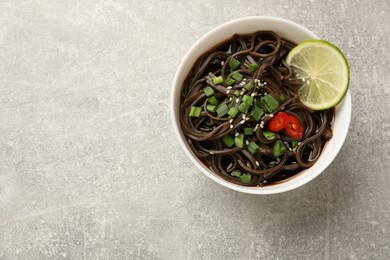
[[241, 115]]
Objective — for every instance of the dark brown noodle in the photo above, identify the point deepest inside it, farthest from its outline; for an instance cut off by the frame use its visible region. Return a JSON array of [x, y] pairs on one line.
[[204, 134]]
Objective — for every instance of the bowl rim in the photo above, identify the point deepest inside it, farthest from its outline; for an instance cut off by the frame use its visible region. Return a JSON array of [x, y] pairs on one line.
[[345, 107]]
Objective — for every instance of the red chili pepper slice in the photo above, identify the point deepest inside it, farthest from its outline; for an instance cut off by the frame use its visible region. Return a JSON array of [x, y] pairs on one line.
[[278, 122], [293, 127]]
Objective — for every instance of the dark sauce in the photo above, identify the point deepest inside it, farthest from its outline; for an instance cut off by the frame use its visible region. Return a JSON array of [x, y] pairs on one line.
[[284, 175], [229, 46]]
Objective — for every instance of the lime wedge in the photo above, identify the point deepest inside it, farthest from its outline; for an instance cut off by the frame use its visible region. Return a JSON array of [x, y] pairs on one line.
[[323, 71]]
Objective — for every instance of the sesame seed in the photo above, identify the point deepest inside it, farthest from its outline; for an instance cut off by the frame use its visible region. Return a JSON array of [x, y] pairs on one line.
[[211, 153], [257, 163], [265, 181], [231, 126], [290, 149], [299, 143], [271, 115], [247, 118], [282, 108], [253, 94], [227, 91], [231, 120], [230, 87], [242, 121], [237, 134], [222, 62], [247, 142], [265, 83], [261, 126], [230, 99]]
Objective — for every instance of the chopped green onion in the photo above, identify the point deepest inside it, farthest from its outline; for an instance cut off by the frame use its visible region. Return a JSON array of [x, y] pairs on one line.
[[237, 76], [195, 111], [258, 102], [222, 110], [229, 81], [239, 140], [233, 112], [247, 99], [282, 98], [269, 103], [294, 144], [212, 101], [253, 147], [248, 131], [211, 108], [236, 174], [269, 135], [228, 140], [249, 86], [252, 67], [233, 102], [243, 107], [209, 91], [234, 63], [246, 178], [278, 148], [236, 93], [217, 80], [257, 113]]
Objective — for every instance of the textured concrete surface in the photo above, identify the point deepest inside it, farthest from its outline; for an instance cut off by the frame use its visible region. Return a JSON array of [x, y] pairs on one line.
[[89, 164]]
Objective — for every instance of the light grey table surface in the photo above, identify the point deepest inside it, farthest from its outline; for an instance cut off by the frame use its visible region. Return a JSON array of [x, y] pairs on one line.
[[90, 167]]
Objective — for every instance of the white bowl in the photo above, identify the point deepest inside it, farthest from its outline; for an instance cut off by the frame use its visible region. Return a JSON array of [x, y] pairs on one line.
[[286, 29]]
